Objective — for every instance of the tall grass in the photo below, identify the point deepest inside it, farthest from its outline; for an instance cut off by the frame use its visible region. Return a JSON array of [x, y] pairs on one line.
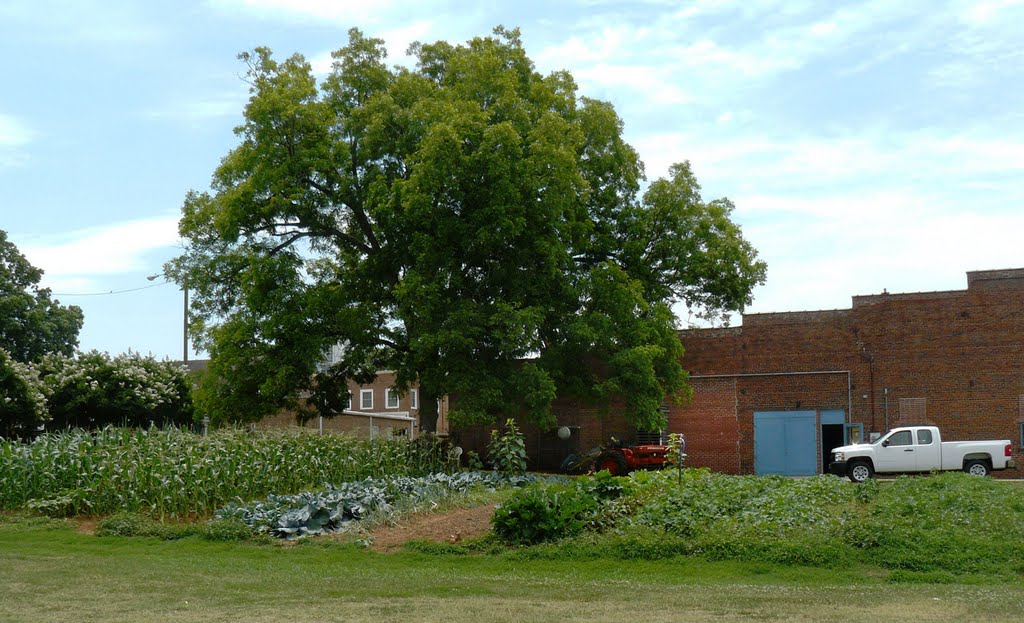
[[176, 473]]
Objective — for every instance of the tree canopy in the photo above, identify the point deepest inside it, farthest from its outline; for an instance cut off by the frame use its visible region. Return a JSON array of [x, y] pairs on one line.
[[31, 322], [469, 223]]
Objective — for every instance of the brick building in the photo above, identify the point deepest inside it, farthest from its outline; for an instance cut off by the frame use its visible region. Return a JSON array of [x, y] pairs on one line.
[[373, 410], [775, 394]]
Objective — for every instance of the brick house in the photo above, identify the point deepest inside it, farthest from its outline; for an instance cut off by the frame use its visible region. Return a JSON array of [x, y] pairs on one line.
[[373, 410], [776, 393]]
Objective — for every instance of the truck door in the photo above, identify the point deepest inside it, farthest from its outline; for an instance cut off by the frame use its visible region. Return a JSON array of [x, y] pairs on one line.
[[927, 451], [896, 453]]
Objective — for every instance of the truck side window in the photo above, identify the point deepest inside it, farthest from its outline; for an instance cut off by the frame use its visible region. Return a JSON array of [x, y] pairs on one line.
[[924, 437], [901, 438]]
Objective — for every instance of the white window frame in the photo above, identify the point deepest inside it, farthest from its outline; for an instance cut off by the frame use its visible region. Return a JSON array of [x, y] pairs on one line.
[[362, 399], [349, 406], [390, 393], [413, 399]]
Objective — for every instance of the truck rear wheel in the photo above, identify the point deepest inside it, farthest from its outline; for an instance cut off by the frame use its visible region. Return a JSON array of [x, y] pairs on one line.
[[977, 467], [859, 471]]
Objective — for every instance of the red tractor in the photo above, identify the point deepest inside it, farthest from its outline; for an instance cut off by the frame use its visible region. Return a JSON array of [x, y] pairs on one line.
[[618, 458]]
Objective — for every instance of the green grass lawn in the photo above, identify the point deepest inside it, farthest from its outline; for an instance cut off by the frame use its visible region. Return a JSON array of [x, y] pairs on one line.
[[50, 572]]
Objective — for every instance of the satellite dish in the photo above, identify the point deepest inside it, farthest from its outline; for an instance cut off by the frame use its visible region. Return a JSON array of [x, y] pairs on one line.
[[564, 433]]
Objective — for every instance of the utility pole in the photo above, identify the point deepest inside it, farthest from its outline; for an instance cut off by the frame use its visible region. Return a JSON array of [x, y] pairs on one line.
[[184, 321], [184, 328]]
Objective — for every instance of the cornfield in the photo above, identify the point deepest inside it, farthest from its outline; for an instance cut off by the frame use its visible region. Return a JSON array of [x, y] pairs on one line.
[[176, 473]]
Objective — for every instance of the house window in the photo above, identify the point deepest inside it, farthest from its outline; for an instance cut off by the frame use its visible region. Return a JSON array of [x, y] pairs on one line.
[[348, 403], [392, 398], [1021, 435], [412, 399], [366, 399]]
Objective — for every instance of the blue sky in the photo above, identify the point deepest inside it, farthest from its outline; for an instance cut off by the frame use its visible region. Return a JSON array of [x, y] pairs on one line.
[[867, 145]]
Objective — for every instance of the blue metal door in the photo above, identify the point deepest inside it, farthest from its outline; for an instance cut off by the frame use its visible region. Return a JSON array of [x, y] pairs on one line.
[[785, 443]]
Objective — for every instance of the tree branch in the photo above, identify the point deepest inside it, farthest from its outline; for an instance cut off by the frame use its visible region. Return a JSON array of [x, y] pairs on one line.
[[357, 209], [288, 243]]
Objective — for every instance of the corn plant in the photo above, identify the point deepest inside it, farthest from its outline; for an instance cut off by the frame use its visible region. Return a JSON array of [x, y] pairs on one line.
[[172, 472]]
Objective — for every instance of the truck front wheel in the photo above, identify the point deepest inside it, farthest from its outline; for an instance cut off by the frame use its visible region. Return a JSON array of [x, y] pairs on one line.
[[859, 471], [977, 468]]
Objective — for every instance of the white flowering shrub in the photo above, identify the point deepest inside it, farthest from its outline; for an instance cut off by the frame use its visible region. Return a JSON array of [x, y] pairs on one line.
[[22, 403], [93, 390]]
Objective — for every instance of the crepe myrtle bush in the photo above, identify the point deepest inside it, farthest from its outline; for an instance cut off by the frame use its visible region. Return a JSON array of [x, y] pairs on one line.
[[93, 389], [22, 403]]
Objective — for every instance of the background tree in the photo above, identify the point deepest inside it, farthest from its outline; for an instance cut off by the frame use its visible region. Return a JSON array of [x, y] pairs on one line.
[[31, 323], [471, 224]]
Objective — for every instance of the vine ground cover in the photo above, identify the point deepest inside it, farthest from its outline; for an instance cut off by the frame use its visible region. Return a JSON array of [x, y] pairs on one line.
[[933, 528]]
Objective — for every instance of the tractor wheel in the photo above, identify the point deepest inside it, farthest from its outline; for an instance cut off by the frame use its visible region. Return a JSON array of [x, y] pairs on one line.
[[977, 468], [614, 462]]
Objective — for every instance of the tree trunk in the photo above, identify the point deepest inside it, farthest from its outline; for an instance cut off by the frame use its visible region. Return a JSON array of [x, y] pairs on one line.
[[428, 411]]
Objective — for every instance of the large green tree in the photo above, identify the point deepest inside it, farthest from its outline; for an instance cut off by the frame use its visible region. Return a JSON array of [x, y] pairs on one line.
[[31, 322], [471, 224]]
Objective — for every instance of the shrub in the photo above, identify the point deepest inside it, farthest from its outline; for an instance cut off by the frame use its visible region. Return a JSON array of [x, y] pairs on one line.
[[507, 450], [473, 462], [225, 530], [125, 524], [22, 402], [94, 390], [132, 524], [542, 513]]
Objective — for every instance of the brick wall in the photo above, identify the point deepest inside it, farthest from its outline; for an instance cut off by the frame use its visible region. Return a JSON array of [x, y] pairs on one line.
[[360, 426], [954, 358]]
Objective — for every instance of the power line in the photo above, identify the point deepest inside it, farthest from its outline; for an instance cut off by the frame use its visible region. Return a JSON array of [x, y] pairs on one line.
[[155, 285]]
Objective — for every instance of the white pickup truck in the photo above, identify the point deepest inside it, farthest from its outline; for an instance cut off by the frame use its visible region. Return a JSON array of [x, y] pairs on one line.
[[918, 449]]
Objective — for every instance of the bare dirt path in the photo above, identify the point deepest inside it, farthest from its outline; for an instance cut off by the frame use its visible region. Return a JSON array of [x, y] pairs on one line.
[[447, 527]]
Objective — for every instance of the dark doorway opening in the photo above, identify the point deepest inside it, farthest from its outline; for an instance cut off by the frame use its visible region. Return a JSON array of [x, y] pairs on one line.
[[831, 437]]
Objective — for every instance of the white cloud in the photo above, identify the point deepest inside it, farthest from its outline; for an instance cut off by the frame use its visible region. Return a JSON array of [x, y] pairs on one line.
[[987, 11], [14, 132], [869, 156], [396, 41], [344, 12], [110, 22], [865, 243], [650, 85], [202, 108], [78, 259]]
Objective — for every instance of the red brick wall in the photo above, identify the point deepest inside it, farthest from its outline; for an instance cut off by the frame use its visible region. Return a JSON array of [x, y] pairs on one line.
[[961, 351], [710, 425]]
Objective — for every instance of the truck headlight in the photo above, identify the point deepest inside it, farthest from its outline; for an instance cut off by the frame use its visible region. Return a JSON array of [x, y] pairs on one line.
[[837, 457]]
